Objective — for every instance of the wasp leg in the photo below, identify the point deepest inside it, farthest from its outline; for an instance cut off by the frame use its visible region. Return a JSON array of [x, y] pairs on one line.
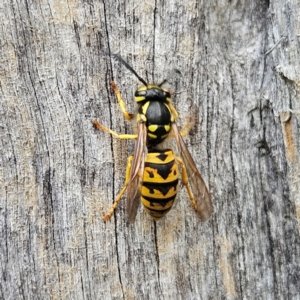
[[128, 168], [188, 126], [184, 179], [186, 129], [126, 114], [119, 136], [173, 111]]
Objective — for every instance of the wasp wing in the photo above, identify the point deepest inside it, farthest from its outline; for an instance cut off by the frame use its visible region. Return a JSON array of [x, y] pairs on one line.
[[136, 173], [198, 187]]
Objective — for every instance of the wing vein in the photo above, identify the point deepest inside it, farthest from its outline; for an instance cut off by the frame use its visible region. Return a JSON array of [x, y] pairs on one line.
[[136, 173]]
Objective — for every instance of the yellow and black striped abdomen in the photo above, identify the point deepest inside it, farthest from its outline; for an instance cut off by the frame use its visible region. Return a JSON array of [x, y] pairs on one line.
[[160, 182]]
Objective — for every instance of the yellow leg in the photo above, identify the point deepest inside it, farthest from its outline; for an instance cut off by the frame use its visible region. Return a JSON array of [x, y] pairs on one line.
[[128, 168], [184, 179], [127, 115], [119, 136], [186, 129], [173, 110]]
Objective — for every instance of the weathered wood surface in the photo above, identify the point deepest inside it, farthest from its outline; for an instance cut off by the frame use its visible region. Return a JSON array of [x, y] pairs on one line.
[[239, 79]]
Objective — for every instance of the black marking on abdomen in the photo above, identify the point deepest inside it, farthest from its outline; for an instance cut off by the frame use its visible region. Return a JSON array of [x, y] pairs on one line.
[[164, 188], [162, 156], [151, 174], [162, 202], [163, 170]]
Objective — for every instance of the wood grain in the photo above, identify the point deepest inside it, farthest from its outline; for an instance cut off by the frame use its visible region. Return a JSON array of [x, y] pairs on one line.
[[234, 70]]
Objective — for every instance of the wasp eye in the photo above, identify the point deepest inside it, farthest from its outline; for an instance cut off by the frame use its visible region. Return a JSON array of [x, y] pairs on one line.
[[167, 94]]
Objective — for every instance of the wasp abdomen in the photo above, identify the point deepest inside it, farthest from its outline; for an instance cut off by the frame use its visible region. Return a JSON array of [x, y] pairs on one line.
[[160, 182]]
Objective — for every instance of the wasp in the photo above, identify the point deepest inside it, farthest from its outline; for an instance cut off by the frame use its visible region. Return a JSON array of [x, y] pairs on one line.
[[152, 174]]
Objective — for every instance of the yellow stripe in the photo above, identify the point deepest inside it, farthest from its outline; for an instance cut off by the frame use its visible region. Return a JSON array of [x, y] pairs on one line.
[[168, 107], [152, 127], [157, 206], [145, 107], [151, 86], [139, 98], [153, 157], [151, 175], [143, 88], [141, 117], [152, 136], [157, 194]]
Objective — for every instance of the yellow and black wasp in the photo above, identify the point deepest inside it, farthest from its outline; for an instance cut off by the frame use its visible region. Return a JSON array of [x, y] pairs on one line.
[[152, 175]]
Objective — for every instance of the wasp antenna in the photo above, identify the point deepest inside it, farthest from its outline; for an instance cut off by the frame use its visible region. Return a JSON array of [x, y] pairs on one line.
[[121, 60], [164, 81]]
